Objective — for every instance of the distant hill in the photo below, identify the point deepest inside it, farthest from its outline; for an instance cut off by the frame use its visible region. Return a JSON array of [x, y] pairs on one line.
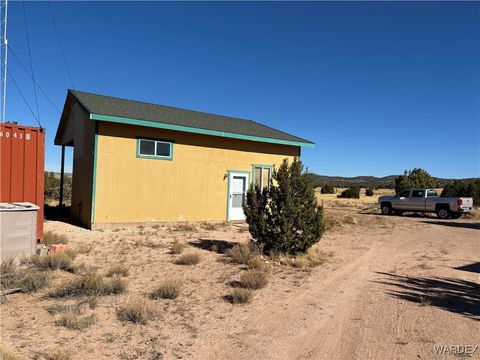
[[386, 182]]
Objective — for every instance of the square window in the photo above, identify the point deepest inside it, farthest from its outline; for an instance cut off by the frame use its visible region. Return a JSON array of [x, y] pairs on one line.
[[163, 149], [147, 147]]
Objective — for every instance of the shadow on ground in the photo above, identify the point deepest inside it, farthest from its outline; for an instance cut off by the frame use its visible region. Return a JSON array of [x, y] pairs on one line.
[[473, 267], [218, 246], [458, 296], [60, 213], [465, 225]]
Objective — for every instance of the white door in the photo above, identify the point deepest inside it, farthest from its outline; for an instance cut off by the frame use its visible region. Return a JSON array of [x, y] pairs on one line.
[[237, 192]]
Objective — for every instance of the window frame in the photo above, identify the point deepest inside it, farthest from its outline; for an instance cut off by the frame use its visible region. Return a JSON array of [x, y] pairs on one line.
[[262, 166], [156, 157], [415, 192], [406, 197]]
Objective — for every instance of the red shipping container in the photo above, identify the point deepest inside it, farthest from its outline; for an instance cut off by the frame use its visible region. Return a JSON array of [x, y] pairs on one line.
[[22, 164]]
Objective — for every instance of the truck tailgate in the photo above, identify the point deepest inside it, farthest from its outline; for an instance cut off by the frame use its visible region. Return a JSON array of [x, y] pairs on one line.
[[467, 202]]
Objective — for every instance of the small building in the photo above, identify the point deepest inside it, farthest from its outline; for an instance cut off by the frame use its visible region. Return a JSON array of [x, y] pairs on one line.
[[136, 162]]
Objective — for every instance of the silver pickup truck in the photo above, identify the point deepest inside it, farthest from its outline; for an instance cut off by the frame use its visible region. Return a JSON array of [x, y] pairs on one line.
[[425, 200]]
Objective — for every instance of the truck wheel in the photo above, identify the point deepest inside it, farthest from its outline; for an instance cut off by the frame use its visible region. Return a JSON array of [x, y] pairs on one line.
[[386, 209], [443, 213]]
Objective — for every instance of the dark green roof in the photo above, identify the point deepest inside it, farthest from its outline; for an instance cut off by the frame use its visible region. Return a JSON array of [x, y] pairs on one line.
[[109, 108]]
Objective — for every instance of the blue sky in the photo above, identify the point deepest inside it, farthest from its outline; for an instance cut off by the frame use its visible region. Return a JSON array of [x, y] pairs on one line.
[[379, 87]]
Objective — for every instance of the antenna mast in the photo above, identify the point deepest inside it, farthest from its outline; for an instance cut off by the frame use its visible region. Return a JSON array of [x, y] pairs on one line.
[[4, 53]]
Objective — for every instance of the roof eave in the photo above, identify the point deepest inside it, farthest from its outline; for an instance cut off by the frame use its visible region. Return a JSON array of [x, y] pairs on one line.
[[159, 125]]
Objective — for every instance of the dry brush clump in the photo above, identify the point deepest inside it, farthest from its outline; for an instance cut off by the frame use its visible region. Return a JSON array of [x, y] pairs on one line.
[[185, 228], [169, 289], [312, 258], [8, 265], [240, 296], [50, 238], [188, 258], [7, 355], [176, 247], [118, 270], [91, 284], [76, 322], [53, 261], [254, 279], [244, 253], [139, 311]]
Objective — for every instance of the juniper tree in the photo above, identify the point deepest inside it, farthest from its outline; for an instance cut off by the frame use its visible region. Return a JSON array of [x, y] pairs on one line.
[[285, 217]]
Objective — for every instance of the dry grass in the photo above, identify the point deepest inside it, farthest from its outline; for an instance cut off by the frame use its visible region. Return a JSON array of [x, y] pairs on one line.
[[188, 258], [209, 226], [33, 281], [91, 284], [76, 322], [169, 289], [257, 263], [254, 279], [177, 247], [52, 261], [8, 265], [475, 214], [84, 248], [118, 270], [244, 253], [56, 354], [240, 296], [50, 238], [138, 311], [312, 258]]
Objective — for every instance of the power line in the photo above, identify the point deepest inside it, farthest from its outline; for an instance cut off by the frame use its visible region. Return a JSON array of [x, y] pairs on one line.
[[33, 79], [31, 63], [60, 44], [23, 96]]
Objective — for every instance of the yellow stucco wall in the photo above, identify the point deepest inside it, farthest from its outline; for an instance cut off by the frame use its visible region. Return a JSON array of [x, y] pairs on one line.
[[191, 187]]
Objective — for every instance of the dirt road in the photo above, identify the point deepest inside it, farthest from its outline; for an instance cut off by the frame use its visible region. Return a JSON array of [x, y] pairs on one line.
[[395, 291]]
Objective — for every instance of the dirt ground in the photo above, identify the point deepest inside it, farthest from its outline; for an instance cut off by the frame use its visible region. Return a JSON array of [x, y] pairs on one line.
[[392, 288]]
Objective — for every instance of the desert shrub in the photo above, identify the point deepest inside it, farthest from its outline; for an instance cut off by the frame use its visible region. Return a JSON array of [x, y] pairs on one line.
[[76, 322], [119, 270], [464, 188], [8, 265], [244, 252], [52, 261], [254, 279], [350, 193], [52, 186], [177, 247], [312, 258], [91, 284], [33, 281], [257, 263], [209, 226], [416, 178], [327, 189], [188, 258], [240, 296], [50, 238], [84, 248], [169, 289], [369, 192], [285, 218], [137, 311]]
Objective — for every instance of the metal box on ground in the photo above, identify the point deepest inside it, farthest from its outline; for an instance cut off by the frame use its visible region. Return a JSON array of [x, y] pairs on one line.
[[18, 229], [22, 163]]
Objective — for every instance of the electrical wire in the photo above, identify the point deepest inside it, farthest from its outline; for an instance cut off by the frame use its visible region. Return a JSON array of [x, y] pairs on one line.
[[33, 79], [31, 62], [23, 96], [60, 44]]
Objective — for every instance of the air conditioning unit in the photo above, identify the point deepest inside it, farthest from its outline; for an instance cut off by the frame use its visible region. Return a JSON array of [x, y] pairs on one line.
[[18, 229]]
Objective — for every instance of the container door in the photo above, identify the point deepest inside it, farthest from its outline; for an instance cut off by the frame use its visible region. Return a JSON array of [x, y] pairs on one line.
[[237, 191]]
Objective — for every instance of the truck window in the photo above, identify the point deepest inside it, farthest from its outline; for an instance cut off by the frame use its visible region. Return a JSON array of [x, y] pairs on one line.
[[431, 193], [417, 193], [404, 193]]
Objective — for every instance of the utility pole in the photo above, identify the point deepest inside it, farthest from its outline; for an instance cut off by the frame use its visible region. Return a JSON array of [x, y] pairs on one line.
[[4, 53]]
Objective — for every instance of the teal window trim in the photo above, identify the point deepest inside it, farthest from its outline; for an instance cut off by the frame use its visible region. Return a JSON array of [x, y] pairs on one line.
[[261, 177], [159, 125], [156, 157], [228, 185]]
